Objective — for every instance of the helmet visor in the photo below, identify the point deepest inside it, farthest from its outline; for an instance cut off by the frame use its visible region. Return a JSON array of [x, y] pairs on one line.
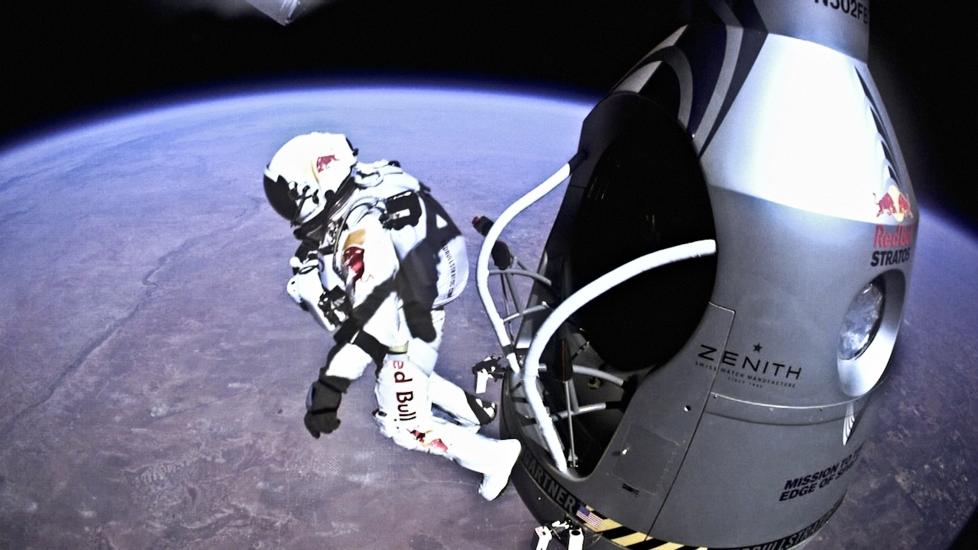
[[281, 199]]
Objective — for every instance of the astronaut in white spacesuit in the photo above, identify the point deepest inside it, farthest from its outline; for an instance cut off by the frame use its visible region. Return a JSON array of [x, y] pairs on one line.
[[379, 258]]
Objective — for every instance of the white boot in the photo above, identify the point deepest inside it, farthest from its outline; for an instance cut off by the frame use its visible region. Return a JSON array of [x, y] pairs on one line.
[[493, 482], [492, 458]]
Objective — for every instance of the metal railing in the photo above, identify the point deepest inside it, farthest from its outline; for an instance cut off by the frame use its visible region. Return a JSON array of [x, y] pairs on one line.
[[530, 367]]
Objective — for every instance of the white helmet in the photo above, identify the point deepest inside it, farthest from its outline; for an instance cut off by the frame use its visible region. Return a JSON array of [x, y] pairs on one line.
[[304, 176]]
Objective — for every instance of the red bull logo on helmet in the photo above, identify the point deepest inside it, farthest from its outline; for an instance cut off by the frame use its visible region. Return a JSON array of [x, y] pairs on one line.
[[323, 162], [893, 203]]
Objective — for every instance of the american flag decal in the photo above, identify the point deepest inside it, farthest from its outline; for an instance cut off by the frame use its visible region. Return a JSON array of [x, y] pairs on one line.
[[589, 517]]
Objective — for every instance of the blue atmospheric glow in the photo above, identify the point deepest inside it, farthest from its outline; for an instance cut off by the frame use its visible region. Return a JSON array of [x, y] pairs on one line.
[[298, 89]]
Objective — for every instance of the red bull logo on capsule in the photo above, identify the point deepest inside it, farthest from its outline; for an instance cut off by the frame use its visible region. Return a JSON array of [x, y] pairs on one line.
[[893, 237], [893, 203]]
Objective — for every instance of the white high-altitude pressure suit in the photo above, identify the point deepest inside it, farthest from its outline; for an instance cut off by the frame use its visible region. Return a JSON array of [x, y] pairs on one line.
[[379, 260]]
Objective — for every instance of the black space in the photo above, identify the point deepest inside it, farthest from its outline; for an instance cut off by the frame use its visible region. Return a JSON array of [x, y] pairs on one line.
[[65, 61]]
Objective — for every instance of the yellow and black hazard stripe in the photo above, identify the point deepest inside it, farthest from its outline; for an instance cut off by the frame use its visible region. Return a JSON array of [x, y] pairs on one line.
[[628, 538]]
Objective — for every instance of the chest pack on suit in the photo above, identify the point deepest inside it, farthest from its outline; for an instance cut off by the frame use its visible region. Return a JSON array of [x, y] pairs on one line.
[[429, 246]]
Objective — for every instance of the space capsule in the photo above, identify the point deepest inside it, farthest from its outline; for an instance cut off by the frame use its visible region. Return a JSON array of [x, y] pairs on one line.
[[720, 293], [282, 11]]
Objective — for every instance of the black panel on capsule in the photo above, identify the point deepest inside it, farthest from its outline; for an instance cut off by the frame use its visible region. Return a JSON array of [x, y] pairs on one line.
[[644, 191]]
